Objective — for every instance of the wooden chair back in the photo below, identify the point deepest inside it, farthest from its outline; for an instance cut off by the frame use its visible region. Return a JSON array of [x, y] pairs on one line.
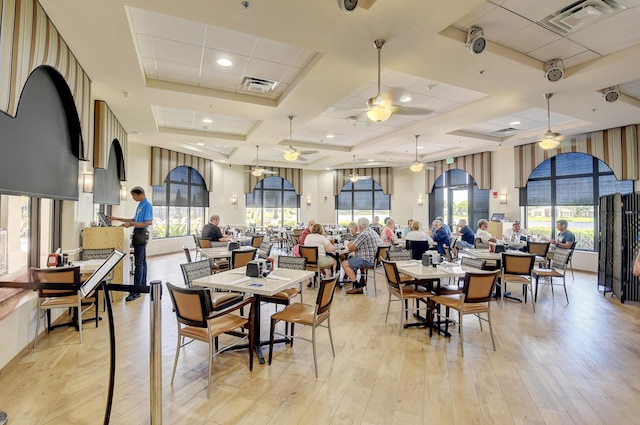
[[191, 305], [538, 248], [203, 243], [256, 241], [479, 287], [310, 253], [58, 275], [517, 264], [391, 271], [240, 257], [325, 295]]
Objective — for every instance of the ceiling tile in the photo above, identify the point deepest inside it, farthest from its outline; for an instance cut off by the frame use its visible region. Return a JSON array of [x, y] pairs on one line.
[[169, 27], [529, 38], [173, 51], [149, 66], [580, 58], [535, 10], [275, 51], [499, 23], [266, 70], [176, 72], [471, 18], [562, 48], [230, 41], [145, 45], [612, 34]]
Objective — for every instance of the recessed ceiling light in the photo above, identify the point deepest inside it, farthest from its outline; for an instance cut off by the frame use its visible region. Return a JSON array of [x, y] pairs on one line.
[[224, 62], [371, 159], [136, 132], [406, 98], [420, 147], [222, 160], [207, 120], [514, 123], [327, 168], [200, 144], [330, 136]]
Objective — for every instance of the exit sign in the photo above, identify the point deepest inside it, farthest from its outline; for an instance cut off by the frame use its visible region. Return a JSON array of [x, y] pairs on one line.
[[449, 161]]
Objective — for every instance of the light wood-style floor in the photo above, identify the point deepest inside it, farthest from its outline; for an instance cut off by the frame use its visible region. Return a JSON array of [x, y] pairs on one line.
[[565, 364]]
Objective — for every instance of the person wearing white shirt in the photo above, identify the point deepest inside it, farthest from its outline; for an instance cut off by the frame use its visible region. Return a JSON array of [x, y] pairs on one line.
[[516, 233], [418, 235], [317, 238], [482, 233]]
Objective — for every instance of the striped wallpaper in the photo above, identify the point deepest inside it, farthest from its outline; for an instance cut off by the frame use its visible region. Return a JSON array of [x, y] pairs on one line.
[[164, 160], [478, 165], [292, 175], [106, 129], [616, 147], [383, 176], [28, 39]]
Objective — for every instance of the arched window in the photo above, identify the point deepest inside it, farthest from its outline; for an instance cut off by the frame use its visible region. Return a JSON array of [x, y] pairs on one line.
[[363, 198], [273, 202], [567, 186], [178, 205], [456, 196]]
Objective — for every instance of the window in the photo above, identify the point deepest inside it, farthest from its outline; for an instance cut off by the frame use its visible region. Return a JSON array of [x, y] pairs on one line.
[[568, 186], [363, 198], [456, 196], [273, 202], [179, 204]]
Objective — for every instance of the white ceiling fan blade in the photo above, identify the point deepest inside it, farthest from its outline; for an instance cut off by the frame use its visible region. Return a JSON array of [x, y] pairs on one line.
[[410, 110]]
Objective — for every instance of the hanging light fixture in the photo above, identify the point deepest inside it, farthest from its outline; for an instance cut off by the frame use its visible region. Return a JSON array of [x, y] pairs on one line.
[[378, 110], [416, 166], [549, 140], [291, 154]]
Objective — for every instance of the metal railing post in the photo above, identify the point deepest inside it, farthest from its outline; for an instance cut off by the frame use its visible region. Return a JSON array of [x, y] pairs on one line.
[[155, 348]]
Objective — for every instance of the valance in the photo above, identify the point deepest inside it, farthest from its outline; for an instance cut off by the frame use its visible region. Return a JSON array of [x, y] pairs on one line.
[[107, 129], [616, 147], [478, 165], [292, 175], [165, 160], [382, 175]]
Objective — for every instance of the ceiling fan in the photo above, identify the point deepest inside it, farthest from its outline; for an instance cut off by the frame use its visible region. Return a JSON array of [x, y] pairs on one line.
[[258, 171], [550, 139], [416, 166], [354, 177], [382, 105], [291, 153]]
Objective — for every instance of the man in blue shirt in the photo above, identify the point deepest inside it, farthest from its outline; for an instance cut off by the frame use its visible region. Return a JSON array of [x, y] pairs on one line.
[[140, 222], [565, 238]]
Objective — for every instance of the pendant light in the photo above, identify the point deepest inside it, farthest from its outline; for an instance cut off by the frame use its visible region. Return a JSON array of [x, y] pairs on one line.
[[416, 166], [549, 140], [291, 154]]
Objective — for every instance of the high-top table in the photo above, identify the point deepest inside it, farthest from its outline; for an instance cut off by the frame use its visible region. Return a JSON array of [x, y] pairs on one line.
[[237, 281]]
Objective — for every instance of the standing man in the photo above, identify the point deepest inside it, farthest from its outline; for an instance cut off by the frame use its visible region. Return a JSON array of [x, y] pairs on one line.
[[212, 231], [565, 238], [140, 222], [364, 247]]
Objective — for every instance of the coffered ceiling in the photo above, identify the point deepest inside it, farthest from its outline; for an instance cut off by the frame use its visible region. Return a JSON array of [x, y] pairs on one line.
[[155, 63]]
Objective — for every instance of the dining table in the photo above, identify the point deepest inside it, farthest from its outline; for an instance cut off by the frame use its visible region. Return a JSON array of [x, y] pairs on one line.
[[236, 280]]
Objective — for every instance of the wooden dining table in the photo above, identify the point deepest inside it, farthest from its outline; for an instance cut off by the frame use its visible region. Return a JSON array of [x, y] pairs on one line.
[[236, 280]]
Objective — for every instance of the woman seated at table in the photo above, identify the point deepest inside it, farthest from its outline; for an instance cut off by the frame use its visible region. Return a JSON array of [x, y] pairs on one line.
[[317, 238], [416, 234], [388, 234], [352, 233]]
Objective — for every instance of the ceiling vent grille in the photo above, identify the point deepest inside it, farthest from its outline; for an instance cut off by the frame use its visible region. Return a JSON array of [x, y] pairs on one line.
[[257, 85], [580, 15], [509, 131]]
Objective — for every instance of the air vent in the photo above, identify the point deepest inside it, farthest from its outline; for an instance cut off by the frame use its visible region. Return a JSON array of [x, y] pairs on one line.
[[580, 15], [509, 131], [257, 85]]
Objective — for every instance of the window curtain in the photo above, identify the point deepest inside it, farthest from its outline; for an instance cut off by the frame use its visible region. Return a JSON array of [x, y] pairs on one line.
[[383, 176], [616, 147], [30, 40], [108, 129], [165, 160], [478, 165], [292, 175]]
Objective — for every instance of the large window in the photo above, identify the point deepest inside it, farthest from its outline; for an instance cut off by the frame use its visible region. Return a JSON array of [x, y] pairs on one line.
[[179, 204], [568, 186], [273, 202], [456, 196], [363, 198]]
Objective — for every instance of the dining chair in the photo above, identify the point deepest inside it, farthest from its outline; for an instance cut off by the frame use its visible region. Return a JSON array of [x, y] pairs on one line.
[[311, 254], [417, 248], [285, 296], [197, 322], [307, 315], [517, 268], [540, 250], [475, 298], [198, 269], [381, 253], [478, 244], [201, 243], [256, 241], [404, 290], [49, 299], [558, 268], [401, 255], [240, 257], [265, 250]]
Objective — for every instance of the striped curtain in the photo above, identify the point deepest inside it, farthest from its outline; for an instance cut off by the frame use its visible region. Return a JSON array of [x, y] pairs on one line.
[[106, 129], [292, 175], [28, 39], [383, 176], [164, 160], [478, 165], [616, 147]]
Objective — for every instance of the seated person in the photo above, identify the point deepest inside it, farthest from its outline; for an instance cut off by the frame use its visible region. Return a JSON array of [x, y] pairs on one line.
[[407, 229], [440, 236], [565, 238], [352, 232], [317, 238], [212, 232], [416, 234], [467, 237], [516, 233], [306, 232], [482, 233], [387, 234], [376, 226], [445, 226], [364, 247]]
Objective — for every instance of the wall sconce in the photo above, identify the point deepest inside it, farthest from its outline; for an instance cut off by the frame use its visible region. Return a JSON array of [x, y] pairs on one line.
[[420, 201], [234, 200], [503, 198], [87, 183], [308, 200], [123, 193]]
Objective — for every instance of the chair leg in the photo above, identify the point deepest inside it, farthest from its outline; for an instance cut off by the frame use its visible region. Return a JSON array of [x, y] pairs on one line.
[[175, 361], [535, 297], [388, 306], [209, 369], [79, 318], [460, 315], [251, 346], [38, 319], [406, 306], [330, 337], [564, 283], [313, 342], [291, 339], [491, 327], [533, 304]]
